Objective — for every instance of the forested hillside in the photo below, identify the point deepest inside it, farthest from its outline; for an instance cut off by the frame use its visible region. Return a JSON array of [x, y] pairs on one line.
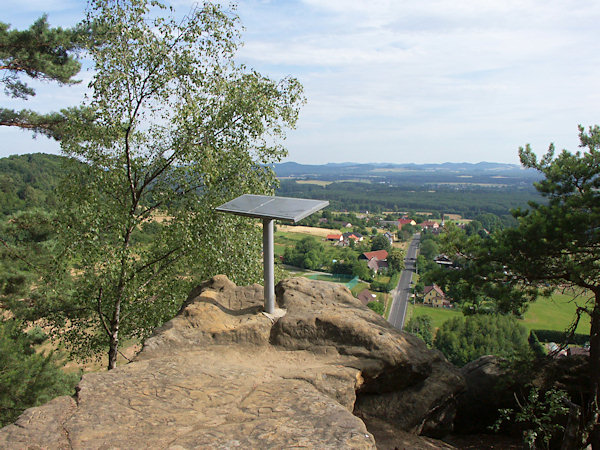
[[28, 181]]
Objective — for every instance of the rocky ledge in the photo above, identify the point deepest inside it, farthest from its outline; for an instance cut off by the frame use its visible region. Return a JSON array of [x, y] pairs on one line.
[[330, 373]]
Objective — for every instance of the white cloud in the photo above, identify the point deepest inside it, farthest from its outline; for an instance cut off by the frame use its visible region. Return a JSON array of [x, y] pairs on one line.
[[426, 81]]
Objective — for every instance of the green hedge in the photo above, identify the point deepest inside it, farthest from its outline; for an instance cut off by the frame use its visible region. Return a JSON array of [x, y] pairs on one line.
[[561, 337]]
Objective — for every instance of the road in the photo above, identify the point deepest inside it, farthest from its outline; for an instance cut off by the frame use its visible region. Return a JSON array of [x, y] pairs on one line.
[[402, 291]]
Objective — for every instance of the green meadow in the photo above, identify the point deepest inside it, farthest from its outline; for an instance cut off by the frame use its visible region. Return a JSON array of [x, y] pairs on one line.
[[554, 313]]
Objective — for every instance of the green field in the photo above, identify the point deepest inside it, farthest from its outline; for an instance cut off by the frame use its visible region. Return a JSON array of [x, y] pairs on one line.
[[438, 315], [554, 313], [359, 287]]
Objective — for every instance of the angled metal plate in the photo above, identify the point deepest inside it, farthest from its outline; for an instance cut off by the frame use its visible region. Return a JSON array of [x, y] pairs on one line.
[[270, 207]]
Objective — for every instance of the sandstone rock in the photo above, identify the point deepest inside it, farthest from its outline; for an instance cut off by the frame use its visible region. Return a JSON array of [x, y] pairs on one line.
[[41, 427], [404, 383], [223, 375], [216, 312]]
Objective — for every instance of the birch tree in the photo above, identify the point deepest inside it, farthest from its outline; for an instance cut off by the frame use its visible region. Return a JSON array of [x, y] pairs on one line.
[[178, 128]]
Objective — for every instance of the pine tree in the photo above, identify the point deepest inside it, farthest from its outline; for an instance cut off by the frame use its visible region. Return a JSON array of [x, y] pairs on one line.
[[39, 53], [27, 378]]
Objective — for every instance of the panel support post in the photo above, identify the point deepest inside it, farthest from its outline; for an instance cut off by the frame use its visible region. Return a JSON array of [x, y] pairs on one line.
[[268, 264]]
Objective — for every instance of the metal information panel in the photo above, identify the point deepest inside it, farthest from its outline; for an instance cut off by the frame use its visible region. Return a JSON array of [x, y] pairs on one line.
[[269, 208]]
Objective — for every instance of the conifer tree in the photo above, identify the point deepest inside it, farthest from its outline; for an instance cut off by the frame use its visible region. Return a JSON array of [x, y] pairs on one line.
[[39, 53], [27, 378]]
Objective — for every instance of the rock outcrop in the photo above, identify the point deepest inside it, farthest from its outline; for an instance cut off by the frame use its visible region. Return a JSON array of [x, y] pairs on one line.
[[330, 373]]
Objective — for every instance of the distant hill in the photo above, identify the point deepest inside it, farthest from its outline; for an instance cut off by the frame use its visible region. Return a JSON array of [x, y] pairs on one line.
[[412, 174], [28, 181]]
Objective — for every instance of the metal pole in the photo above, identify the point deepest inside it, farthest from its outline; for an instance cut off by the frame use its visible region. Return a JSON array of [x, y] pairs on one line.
[[268, 265]]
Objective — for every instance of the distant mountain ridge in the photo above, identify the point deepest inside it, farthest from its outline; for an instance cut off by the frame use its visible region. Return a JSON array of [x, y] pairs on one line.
[[411, 173], [293, 168]]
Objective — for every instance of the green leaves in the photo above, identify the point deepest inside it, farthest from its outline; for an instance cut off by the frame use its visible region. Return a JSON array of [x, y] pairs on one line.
[[422, 327], [41, 53], [538, 417]]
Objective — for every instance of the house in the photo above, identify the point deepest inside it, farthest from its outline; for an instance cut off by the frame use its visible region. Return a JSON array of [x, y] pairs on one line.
[[357, 237], [404, 221], [346, 225], [323, 220], [365, 296], [377, 265], [335, 237], [430, 224], [443, 260], [434, 296], [377, 260], [389, 236], [572, 351], [378, 254]]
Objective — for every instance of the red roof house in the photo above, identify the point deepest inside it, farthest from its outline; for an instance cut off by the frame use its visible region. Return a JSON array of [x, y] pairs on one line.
[[378, 254], [404, 221], [434, 296]]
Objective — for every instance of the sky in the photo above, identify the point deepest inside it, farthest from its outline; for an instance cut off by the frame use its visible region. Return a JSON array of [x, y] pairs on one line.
[[397, 81]]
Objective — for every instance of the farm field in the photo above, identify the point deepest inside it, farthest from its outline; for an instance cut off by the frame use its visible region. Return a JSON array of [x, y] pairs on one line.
[[315, 182], [554, 313], [313, 231]]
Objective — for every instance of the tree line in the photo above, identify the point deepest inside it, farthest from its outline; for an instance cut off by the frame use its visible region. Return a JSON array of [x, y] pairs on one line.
[[468, 201]]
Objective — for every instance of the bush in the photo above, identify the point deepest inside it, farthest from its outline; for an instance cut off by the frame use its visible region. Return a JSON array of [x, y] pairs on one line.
[[534, 343], [380, 286], [422, 327], [377, 307]]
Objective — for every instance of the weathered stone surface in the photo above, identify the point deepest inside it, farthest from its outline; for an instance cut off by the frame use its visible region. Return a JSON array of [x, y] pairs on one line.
[[217, 312], [404, 383], [40, 428], [223, 375]]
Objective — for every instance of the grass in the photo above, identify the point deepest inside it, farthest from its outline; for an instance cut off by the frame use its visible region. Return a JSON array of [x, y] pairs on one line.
[[330, 277], [388, 307], [438, 315], [283, 239], [358, 288], [382, 278], [555, 313]]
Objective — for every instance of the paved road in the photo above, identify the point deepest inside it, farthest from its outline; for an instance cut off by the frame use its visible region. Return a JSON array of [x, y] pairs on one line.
[[402, 291]]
